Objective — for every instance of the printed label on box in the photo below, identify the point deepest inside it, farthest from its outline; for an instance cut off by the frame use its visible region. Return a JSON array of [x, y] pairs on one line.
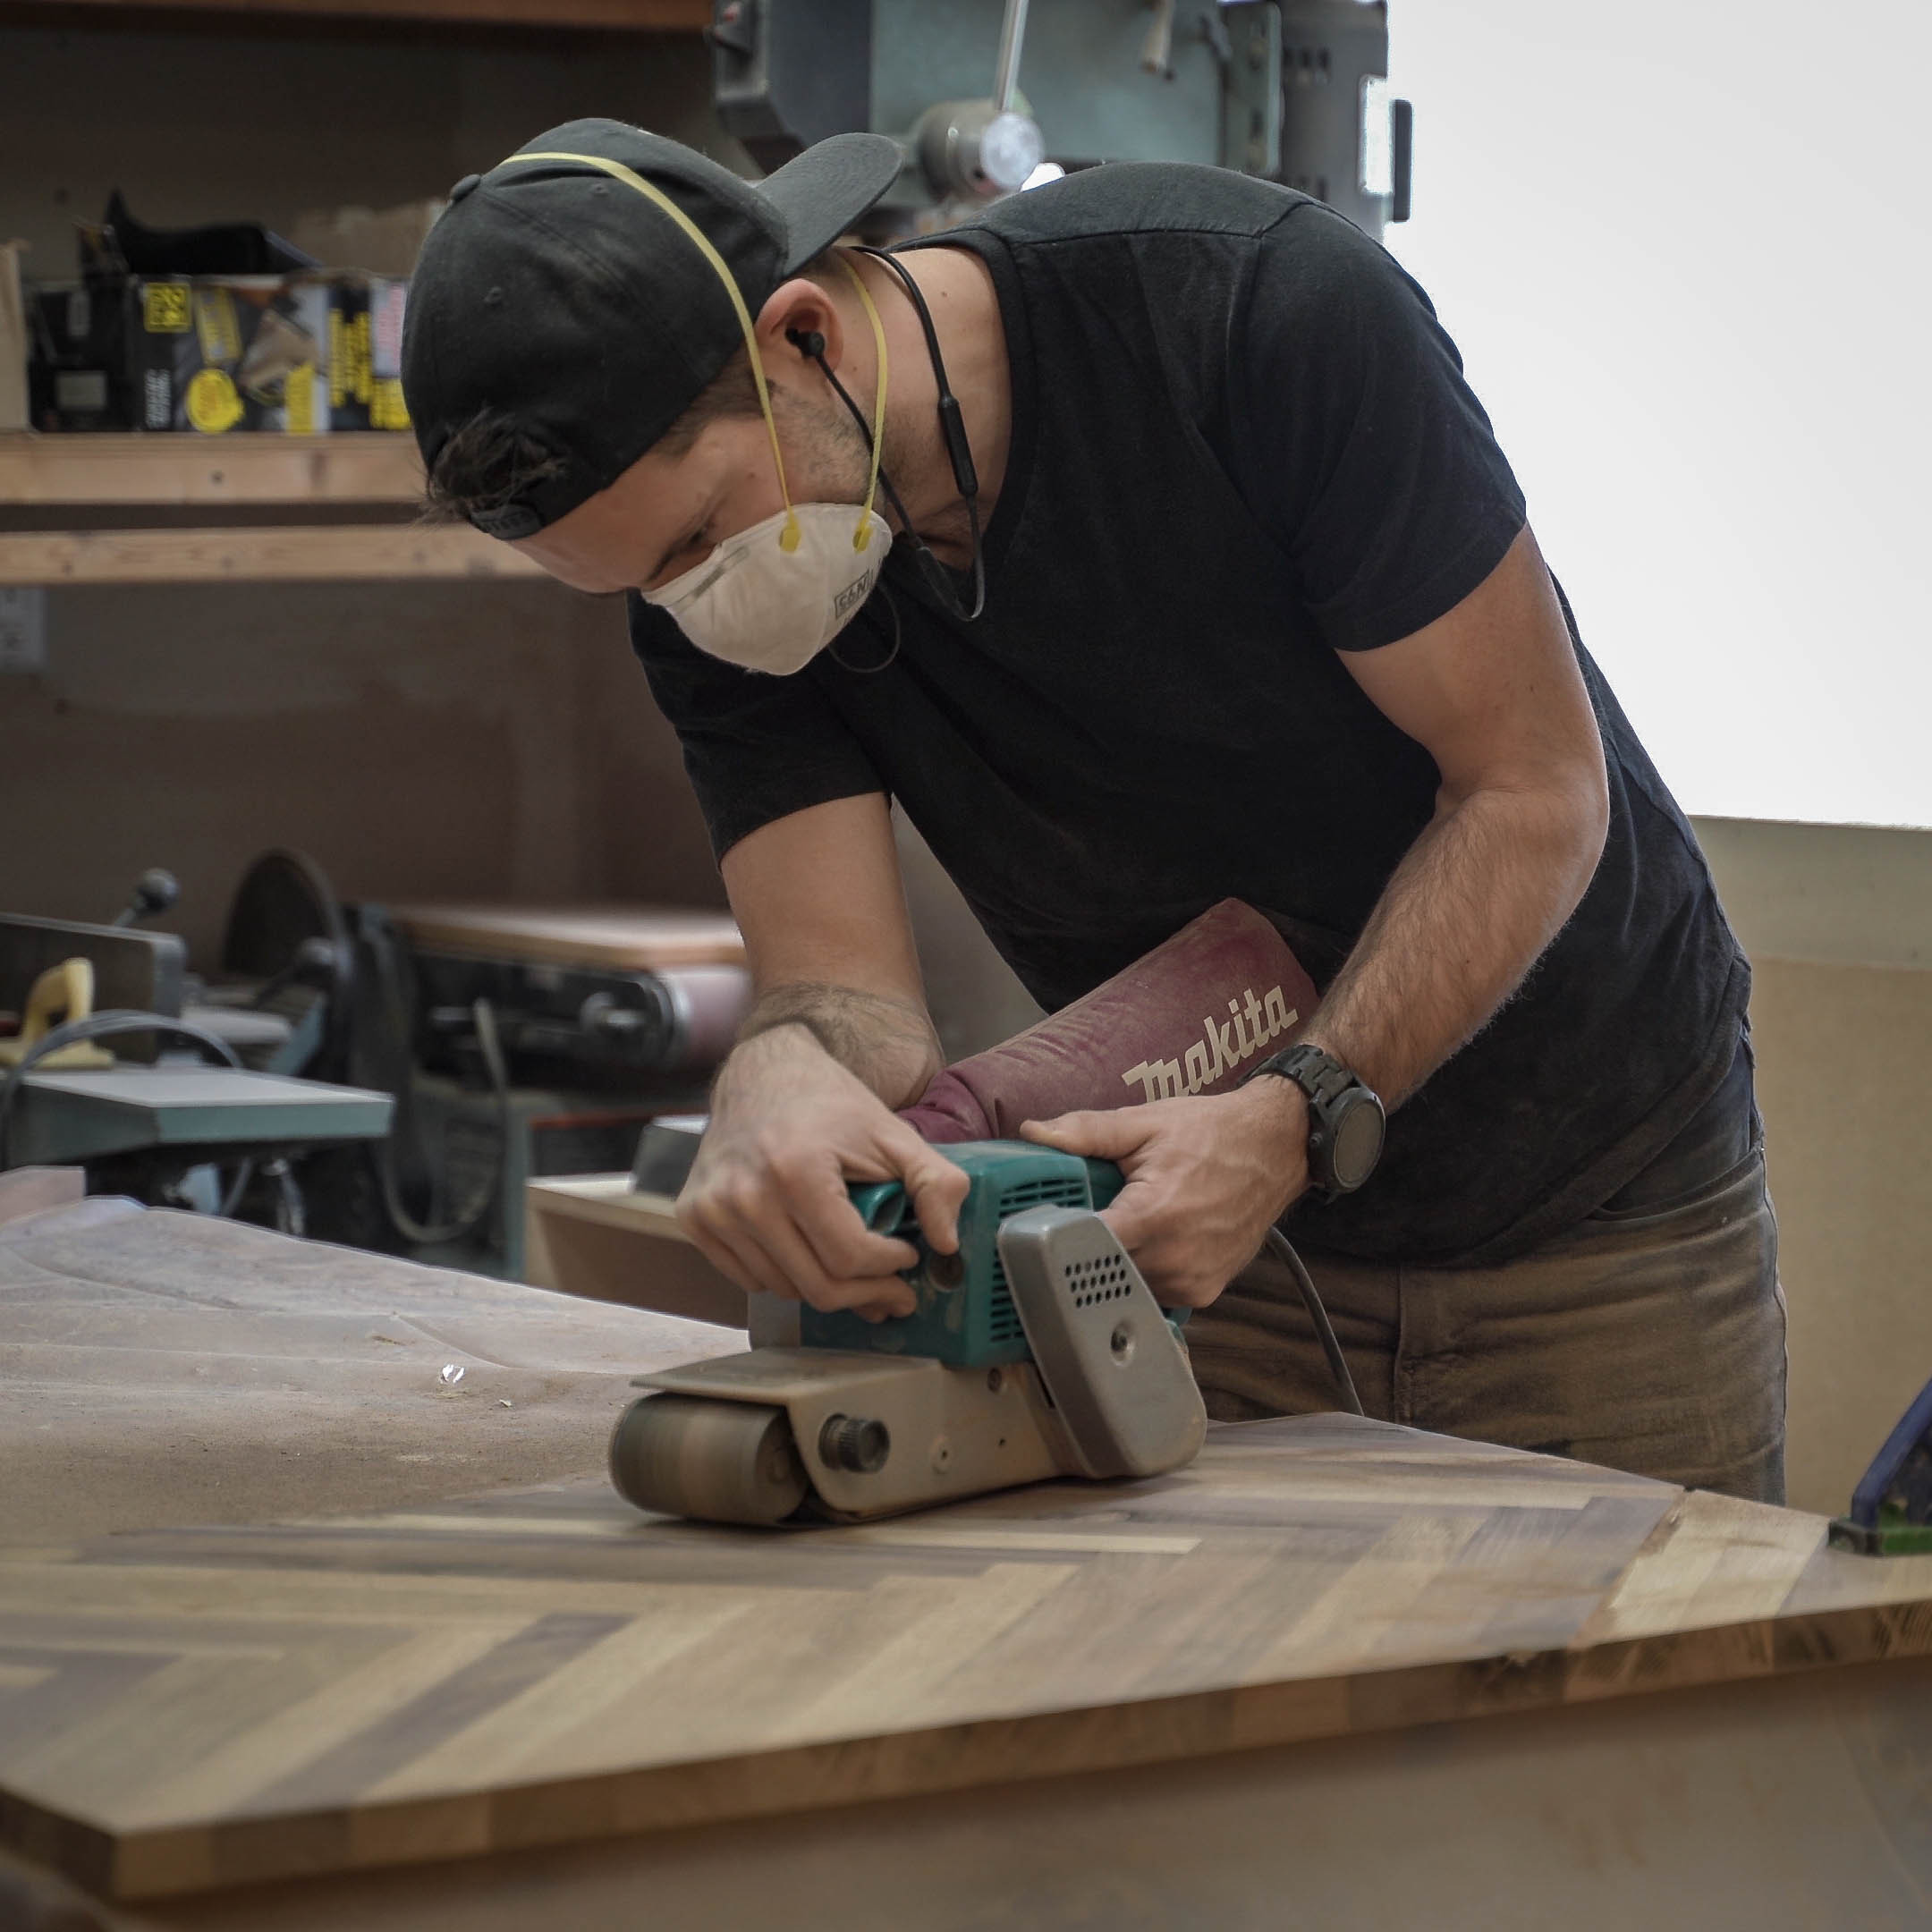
[[213, 404], [215, 327], [167, 308]]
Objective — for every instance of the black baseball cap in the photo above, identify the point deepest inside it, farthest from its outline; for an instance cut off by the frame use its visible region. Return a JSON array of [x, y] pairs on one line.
[[563, 298]]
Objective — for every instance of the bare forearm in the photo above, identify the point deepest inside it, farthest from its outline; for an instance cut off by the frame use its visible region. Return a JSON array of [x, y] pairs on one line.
[[1465, 916], [888, 1044]]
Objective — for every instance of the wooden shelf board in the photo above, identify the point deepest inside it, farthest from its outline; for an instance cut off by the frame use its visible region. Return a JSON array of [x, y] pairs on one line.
[[651, 16], [368, 467], [286, 554]]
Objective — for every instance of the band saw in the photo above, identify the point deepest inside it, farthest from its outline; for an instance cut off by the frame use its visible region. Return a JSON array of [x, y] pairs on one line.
[[1035, 1351]]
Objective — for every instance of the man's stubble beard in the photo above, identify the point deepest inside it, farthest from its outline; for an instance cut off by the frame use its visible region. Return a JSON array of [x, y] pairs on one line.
[[833, 461]]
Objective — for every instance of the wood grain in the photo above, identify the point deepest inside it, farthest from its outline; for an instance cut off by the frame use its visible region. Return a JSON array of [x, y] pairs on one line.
[[370, 467], [187, 1709], [288, 554]]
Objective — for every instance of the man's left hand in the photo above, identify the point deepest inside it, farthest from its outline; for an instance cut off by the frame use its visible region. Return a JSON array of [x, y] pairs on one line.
[[1206, 1178]]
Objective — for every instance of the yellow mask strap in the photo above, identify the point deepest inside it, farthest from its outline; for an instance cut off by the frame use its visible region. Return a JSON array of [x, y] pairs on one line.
[[862, 536], [788, 538]]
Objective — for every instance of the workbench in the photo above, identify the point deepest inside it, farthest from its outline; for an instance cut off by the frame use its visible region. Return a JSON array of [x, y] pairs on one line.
[[1335, 1673]]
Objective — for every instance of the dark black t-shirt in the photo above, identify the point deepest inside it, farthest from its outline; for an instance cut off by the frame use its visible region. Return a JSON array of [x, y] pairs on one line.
[[1242, 444]]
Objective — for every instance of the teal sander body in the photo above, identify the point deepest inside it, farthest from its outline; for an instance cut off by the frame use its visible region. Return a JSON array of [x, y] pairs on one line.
[[1036, 1350], [965, 1316]]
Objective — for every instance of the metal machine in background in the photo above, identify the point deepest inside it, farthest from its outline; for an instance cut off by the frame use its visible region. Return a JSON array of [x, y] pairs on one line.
[[384, 1078], [983, 95], [111, 1065], [524, 1043]]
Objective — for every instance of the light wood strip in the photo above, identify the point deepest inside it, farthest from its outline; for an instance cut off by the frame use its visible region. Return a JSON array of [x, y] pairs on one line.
[[563, 1717], [371, 468], [291, 553], [1712, 1559], [299, 1732]]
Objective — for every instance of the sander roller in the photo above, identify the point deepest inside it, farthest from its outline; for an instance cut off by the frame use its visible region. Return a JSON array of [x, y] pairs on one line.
[[1036, 1350]]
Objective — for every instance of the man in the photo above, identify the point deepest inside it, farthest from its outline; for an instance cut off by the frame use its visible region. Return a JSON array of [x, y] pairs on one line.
[[1208, 581]]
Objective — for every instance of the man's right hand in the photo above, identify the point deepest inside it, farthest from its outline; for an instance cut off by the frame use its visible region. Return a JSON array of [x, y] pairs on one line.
[[767, 1203]]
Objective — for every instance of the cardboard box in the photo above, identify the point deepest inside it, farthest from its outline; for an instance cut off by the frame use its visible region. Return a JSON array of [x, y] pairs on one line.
[[379, 242], [13, 339], [298, 355]]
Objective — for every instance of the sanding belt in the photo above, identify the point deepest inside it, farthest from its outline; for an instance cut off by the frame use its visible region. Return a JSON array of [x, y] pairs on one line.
[[1194, 1016]]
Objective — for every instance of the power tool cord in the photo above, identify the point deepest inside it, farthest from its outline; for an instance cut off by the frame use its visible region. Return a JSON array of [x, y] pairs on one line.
[[117, 1022], [1278, 1246], [394, 1010]]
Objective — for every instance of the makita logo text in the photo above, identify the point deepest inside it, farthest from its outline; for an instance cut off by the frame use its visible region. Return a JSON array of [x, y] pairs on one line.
[[1227, 1044]]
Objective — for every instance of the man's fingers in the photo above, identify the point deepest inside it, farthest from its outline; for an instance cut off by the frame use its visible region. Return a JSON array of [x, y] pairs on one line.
[[1133, 1214], [1112, 1133], [842, 1245], [874, 1290], [936, 1187], [734, 1255]]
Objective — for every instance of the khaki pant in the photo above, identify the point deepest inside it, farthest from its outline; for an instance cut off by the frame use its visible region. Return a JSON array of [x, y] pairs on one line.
[[1649, 1339]]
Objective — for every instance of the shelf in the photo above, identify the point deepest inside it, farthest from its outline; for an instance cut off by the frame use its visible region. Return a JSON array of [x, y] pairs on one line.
[[278, 554], [621, 16], [366, 467], [295, 473]]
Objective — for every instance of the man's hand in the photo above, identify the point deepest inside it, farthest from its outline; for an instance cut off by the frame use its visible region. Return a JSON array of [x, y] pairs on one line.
[[765, 1203], [1206, 1179]]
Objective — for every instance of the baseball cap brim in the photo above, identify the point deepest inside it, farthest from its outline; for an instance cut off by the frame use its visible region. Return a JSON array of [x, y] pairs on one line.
[[822, 192]]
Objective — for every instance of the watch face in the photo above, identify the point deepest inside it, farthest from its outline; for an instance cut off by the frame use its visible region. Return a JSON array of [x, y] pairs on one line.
[[1358, 1142]]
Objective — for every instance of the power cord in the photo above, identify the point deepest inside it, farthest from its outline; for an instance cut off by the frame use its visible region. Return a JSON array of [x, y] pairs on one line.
[[1278, 1246], [399, 1076]]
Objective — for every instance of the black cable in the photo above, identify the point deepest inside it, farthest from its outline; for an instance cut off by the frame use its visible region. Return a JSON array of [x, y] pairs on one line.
[[113, 1022], [395, 1014], [1278, 1246], [953, 433]]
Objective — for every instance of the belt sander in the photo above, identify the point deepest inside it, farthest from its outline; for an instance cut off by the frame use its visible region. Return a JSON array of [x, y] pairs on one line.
[[1038, 1350]]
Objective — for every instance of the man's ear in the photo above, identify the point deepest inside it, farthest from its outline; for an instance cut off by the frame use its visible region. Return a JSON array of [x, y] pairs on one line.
[[799, 321]]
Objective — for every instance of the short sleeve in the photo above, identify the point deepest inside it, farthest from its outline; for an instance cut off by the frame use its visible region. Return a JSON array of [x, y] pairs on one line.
[[756, 747], [1354, 439]]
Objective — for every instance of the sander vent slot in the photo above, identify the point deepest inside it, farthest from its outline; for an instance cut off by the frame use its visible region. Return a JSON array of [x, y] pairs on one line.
[[1052, 1191]]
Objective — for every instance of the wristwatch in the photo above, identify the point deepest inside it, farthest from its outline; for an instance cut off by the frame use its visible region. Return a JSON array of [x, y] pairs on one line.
[[1346, 1120]]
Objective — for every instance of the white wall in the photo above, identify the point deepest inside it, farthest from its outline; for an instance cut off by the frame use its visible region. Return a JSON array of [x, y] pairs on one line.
[[1685, 247]]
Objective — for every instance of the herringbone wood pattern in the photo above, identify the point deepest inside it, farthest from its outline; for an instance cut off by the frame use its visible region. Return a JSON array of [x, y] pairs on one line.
[[191, 1708]]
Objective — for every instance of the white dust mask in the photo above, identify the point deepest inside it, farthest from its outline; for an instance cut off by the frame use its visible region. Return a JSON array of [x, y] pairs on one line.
[[773, 596], [756, 604]]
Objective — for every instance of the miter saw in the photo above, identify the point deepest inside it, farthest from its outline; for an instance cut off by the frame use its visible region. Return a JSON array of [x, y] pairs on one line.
[[1036, 1350]]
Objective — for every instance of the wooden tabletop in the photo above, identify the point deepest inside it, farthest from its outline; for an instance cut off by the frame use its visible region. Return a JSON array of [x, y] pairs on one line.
[[187, 1709]]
